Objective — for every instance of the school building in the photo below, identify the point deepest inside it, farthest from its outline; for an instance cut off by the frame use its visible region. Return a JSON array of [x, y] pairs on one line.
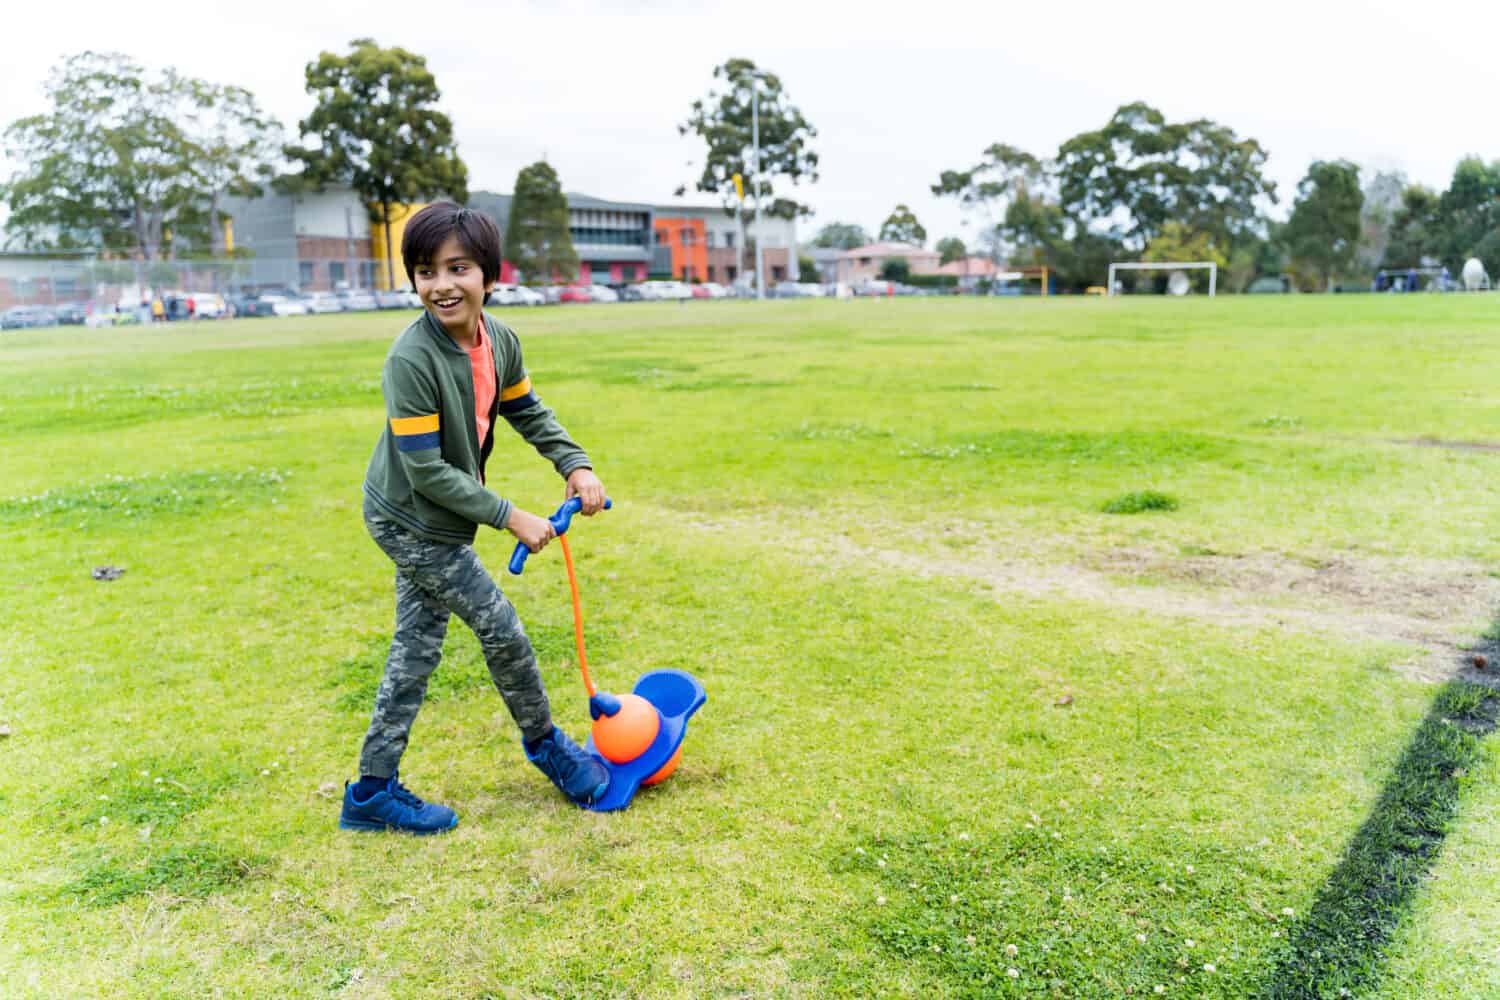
[[318, 241], [705, 243]]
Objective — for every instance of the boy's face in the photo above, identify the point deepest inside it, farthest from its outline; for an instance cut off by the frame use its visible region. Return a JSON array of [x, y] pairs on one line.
[[452, 287]]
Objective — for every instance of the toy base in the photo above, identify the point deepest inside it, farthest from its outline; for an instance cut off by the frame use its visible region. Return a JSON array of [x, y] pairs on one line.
[[675, 694]]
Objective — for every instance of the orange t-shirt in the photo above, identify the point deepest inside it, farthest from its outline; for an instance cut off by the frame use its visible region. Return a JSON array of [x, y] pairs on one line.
[[482, 363]]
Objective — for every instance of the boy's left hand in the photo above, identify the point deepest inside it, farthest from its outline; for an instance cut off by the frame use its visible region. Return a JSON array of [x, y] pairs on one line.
[[583, 484]]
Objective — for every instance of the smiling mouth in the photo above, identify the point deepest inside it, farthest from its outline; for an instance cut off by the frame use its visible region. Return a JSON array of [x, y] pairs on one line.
[[447, 303]]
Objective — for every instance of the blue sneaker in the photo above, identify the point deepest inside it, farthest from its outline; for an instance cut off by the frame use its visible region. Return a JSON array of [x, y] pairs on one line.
[[572, 769], [394, 808]]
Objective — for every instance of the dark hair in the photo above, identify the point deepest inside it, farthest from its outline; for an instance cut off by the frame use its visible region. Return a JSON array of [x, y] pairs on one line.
[[476, 233]]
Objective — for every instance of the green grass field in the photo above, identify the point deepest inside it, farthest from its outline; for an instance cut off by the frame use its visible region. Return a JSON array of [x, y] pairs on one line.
[[968, 734]]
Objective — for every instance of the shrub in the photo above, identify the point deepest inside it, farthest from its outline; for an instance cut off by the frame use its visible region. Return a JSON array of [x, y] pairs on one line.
[[1139, 502]]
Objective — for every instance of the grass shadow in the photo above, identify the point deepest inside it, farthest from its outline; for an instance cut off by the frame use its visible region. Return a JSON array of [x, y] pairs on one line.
[[1340, 944]]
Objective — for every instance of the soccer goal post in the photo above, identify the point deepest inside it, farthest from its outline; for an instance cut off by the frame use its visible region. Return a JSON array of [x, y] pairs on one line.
[[1172, 286]]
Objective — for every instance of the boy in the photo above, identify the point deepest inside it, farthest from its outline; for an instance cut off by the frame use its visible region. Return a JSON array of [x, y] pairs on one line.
[[446, 379]]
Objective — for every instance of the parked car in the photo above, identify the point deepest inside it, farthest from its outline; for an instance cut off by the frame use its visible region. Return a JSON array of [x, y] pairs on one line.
[[71, 314], [356, 300], [699, 292], [631, 293], [249, 304], [282, 305], [575, 293], [665, 291], [102, 314], [26, 317], [715, 290], [323, 302], [208, 305], [530, 296], [516, 295], [603, 293]]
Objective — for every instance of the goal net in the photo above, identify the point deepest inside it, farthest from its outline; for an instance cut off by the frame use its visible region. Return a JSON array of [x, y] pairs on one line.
[[1176, 282]]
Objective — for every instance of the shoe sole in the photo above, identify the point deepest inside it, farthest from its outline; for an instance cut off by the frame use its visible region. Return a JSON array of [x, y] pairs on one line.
[[370, 826]]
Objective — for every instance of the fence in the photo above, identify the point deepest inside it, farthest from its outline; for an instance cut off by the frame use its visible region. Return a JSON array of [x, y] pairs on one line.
[[56, 280]]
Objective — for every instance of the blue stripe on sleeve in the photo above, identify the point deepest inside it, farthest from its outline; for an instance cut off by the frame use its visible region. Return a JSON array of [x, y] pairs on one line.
[[418, 442], [519, 403]]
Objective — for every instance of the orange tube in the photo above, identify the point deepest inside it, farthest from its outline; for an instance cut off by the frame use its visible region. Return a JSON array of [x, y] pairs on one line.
[[583, 660]]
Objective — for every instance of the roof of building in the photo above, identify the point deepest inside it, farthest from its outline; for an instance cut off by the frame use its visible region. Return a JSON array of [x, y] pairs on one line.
[[890, 249], [969, 267]]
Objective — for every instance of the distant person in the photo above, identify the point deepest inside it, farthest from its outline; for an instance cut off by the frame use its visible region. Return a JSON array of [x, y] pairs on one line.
[[447, 378], [158, 310]]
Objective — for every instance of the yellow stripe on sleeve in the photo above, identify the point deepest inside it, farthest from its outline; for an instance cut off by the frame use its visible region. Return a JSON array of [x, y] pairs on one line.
[[516, 391], [403, 426]]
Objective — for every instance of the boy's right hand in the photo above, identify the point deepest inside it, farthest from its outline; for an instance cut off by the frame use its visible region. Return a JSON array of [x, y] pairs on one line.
[[531, 531]]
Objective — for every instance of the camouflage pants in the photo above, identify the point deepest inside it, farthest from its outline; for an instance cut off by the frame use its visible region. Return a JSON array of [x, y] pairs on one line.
[[433, 581]]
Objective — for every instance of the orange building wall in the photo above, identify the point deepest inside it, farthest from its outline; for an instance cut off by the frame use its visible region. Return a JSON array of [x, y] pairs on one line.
[[686, 237]]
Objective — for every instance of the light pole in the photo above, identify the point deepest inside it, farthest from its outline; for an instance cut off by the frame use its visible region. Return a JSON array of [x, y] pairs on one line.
[[760, 277]]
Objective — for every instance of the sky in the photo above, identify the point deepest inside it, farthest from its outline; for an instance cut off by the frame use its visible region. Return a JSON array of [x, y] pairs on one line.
[[897, 91]]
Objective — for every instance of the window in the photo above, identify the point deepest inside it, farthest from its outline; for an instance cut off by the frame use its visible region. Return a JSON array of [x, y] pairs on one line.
[[306, 271], [732, 272], [711, 276], [336, 271], [708, 238], [778, 274], [729, 241]]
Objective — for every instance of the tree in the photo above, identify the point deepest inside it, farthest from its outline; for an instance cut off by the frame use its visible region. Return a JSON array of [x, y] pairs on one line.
[[108, 167], [807, 271], [1140, 172], [1469, 215], [841, 236], [537, 239], [950, 249], [235, 146], [722, 120], [1177, 243], [1414, 230], [1382, 201], [901, 226], [375, 129], [896, 269], [1323, 231]]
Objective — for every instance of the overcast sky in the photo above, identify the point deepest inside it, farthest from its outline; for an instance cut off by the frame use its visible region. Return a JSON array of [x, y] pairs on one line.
[[898, 91]]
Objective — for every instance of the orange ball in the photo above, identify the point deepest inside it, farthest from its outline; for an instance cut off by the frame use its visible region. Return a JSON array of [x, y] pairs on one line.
[[625, 735], [665, 771]]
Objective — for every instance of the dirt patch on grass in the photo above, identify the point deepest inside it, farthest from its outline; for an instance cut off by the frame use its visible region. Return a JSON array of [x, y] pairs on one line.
[[1436, 606], [1431, 442]]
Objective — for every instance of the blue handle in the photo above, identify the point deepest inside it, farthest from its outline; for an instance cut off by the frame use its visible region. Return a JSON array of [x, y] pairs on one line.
[[560, 522]]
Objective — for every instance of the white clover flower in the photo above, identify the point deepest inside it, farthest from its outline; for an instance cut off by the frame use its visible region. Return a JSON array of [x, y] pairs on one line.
[[1287, 911], [104, 821], [156, 781], [881, 862], [971, 939], [963, 836], [1191, 943], [1159, 988], [1190, 869], [104, 798], [264, 773], [1013, 973], [879, 900], [1140, 938], [937, 948], [953, 898], [1209, 967], [859, 850], [1012, 950]]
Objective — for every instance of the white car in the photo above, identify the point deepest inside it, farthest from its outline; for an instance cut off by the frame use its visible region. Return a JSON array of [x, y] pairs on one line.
[[715, 290], [603, 293], [665, 291], [208, 305], [283, 306], [515, 295], [324, 302]]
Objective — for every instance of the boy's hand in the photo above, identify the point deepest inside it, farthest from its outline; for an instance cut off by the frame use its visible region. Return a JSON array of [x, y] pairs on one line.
[[583, 484], [531, 531]]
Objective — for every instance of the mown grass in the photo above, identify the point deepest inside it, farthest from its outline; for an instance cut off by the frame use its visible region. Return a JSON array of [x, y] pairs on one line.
[[887, 766]]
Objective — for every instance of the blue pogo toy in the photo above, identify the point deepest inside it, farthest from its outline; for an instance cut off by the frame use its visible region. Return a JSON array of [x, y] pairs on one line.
[[636, 736]]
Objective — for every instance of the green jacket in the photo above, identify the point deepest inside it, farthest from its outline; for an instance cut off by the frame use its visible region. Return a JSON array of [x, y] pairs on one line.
[[427, 472]]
